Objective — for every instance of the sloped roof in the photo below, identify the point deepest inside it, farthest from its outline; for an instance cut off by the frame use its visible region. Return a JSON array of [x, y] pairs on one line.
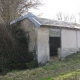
[[29, 16], [47, 22]]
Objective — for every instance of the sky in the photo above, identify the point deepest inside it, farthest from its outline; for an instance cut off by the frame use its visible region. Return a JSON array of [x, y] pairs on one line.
[[50, 8]]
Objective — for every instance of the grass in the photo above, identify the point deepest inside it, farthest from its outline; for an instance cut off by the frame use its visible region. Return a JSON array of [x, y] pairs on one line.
[[67, 69]]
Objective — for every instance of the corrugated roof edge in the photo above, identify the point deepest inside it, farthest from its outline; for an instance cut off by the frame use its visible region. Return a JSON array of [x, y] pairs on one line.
[[29, 16], [56, 26]]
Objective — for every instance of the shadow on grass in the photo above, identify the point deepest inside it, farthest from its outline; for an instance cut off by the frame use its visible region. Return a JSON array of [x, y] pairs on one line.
[[4, 72]]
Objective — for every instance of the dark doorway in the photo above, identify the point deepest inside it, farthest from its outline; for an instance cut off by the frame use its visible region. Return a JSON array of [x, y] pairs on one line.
[[54, 45]]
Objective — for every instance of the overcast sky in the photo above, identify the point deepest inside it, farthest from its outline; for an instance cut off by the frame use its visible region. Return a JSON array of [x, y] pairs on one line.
[[52, 7]]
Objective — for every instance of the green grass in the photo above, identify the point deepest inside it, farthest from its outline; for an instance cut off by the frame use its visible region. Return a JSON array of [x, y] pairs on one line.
[[67, 69]]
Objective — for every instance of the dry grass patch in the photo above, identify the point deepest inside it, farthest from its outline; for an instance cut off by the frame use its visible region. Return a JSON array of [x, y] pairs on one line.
[[68, 69]]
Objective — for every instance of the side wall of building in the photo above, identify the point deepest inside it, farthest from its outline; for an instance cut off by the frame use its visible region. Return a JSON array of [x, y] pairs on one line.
[[78, 39], [69, 41], [30, 28], [43, 45]]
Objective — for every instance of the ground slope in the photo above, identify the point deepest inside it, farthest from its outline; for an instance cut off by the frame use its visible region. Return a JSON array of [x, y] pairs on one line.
[[67, 69]]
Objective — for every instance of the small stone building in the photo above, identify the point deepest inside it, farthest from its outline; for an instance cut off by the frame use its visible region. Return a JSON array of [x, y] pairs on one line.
[[50, 38]]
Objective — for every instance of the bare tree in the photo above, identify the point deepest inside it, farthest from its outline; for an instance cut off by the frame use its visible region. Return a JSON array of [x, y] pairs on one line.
[[63, 17], [73, 18], [59, 16], [66, 18], [79, 17], [12, 9]]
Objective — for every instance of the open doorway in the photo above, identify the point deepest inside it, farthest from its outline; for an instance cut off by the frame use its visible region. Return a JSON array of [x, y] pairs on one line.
[[54, 43]]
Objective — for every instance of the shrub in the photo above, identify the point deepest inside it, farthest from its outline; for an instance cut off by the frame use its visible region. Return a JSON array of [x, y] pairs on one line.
[[14, 52]]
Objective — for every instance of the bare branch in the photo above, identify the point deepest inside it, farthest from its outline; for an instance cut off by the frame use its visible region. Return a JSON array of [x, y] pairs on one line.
[[63, 17], [12, 9]]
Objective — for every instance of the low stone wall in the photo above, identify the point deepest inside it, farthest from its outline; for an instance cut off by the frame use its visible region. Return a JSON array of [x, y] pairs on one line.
[[68, 51]]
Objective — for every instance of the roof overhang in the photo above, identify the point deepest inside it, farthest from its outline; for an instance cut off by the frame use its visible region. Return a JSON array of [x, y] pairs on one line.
[[60, 27]]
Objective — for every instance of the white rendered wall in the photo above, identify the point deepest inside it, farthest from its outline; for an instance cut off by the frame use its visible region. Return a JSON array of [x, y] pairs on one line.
[[68, 42], [78, 39], [43, 45]]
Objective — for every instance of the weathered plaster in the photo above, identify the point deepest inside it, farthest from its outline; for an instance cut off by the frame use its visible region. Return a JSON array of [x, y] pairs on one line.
[[43, 45], [69, 40], [78, 39], [67, 51]]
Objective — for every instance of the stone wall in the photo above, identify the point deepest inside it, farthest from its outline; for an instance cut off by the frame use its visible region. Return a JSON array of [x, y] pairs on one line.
[[29, 27]]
